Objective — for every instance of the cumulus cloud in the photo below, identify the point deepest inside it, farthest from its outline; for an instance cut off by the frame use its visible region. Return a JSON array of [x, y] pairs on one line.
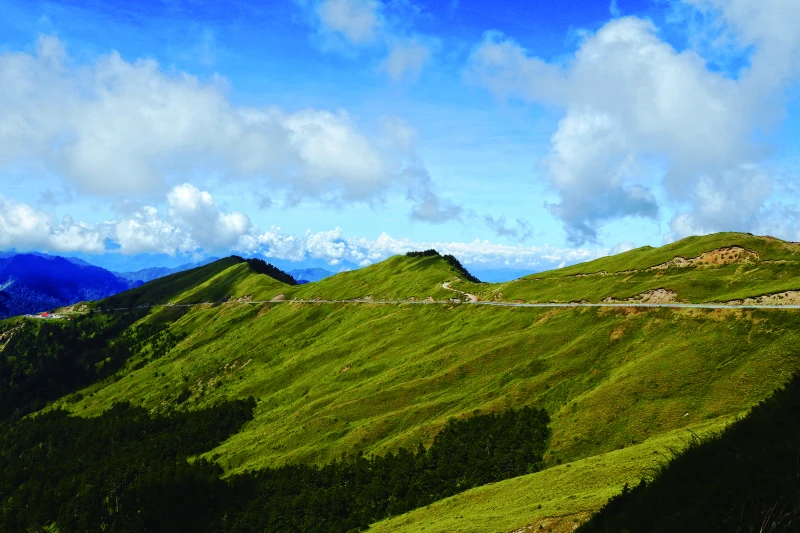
[[629, 97], [122, 128], [335, 247], [192, 222], [27, 228]]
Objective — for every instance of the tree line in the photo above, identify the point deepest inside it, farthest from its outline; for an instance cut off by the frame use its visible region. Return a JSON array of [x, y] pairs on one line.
[[746, 478], [127, 470]]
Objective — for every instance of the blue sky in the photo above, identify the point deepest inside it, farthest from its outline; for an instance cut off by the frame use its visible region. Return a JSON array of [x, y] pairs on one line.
[[339, 132]]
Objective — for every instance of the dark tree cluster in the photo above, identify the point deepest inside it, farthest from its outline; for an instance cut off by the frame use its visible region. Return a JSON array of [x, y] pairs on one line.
[[127, 471], [426, 253], [451, 260], [260, 266], [351, 494], [44, 360], [122, 471], [745, 479]]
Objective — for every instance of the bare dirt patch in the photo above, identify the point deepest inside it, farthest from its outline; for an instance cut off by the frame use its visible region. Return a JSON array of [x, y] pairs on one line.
[[278, 298], [557, 524], [655, 296], [242, 299], [780, 298], [718, 257]]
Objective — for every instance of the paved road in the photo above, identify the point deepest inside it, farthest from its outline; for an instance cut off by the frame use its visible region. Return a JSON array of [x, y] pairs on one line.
[[492, 304]]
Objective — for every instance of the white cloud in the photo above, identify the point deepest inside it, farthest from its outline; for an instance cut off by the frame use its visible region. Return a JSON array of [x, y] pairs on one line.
[[356, 20], [406, 59], [335, 247], [27, 228], [146, 232], [118, 128], [193, 223], [630, 97], [346, 25], [195, 211]]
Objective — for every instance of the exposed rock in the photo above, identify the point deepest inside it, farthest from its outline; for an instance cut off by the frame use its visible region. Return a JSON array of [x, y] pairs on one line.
[[718, 257], [655, 296], [780, 298]]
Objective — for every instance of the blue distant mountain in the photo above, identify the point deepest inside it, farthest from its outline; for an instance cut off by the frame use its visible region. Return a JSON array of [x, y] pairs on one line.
[[307, 275], [149, 274], [30, 283]]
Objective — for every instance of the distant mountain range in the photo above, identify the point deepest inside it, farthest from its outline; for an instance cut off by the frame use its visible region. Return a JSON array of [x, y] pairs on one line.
[[30, 283], [149, 274], [307, 275], [34, 282]]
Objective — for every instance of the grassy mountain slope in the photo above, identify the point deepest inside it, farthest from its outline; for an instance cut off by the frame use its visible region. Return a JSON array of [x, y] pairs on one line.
[[351, 377], [224, 279], [168, 288], [342, 378], [744, 479], [557, 499], [726, 266], [397, 278]]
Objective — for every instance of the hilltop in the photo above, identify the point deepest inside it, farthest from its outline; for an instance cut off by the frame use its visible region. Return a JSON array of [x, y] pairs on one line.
[[346, 378], [722, 267]]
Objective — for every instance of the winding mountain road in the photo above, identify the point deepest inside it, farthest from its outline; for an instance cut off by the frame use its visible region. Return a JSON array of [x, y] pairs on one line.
[[472, 300]]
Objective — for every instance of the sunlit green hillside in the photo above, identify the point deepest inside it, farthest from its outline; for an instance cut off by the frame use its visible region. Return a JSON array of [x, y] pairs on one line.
[[714, 268], [348, 377]]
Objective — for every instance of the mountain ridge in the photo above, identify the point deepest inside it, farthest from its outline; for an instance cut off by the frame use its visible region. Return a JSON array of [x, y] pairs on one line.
[[348, 378]]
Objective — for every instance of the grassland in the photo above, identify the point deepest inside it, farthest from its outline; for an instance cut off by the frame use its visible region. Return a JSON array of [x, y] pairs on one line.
[[333, 379], [557, 499], [771, 266]]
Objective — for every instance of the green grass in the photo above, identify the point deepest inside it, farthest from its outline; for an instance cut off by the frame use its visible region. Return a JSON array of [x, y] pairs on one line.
[[768, 248], [397, 278], [333, 379], [557, 498], [168, 288], [402, 278], [625, 275]]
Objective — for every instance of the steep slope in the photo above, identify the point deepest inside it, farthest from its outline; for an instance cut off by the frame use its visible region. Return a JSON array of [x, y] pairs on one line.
[[30, 283], [342, 378], [745, 479], [335, 378], [397, 278], [224, 279], [714, 268], [557, 499]]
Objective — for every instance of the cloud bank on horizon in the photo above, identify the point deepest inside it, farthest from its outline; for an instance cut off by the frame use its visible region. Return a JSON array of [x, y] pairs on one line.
[[681, 129]]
